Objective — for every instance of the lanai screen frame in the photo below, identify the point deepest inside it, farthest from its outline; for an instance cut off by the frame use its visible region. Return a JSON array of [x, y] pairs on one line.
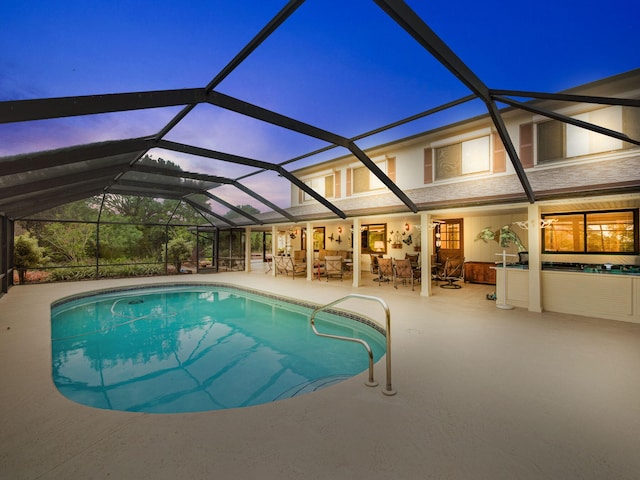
[[16, 204]]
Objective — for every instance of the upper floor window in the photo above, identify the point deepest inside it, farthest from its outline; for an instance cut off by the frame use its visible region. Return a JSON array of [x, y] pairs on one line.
[[592, 232], [323, 185], [463, 158], [363, 180], [558, 140]]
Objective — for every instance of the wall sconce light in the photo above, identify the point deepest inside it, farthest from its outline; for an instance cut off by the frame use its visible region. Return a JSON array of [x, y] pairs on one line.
[[339, 230], [407, 227]]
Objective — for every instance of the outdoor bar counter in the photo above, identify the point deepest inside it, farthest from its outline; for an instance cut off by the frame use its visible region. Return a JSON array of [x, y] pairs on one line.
[[591, 290]]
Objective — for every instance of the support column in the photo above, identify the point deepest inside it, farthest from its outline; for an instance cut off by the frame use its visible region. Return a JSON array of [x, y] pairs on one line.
[[274, 248], [425, 254], [357, 242], [535, 261], [247, 249], [309, 248]]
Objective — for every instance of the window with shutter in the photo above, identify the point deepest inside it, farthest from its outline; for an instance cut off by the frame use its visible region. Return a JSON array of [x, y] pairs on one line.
[[550, 140], [428, 165], [499, 155], [360, 180], [391, 169], [448, 161], [557, 140], [526, 145], [328, 186], [463, 158], [631, 124], [365, 181]]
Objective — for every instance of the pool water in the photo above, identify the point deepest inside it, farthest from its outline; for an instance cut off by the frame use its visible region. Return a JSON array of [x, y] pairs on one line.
[[198, 347]]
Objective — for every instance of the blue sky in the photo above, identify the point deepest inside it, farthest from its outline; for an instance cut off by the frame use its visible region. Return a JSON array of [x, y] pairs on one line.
[[344, 66]]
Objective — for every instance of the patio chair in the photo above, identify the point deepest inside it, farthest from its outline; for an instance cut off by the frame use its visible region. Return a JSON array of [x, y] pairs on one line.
[[414, 258], [385, 270], [374, 263], [333, 267], [281, 267], [404, 272], [299, 256], [294, 268], [453, 272], [268, 264], [437, 269]]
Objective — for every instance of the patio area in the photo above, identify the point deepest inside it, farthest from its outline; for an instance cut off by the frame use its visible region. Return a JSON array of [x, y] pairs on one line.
[[482, 393]]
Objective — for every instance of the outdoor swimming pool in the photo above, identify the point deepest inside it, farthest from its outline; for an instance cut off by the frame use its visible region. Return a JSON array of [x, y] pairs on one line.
[[197, 347]]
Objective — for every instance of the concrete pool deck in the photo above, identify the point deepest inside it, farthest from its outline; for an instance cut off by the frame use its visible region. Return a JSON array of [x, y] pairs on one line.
[[482, 393]]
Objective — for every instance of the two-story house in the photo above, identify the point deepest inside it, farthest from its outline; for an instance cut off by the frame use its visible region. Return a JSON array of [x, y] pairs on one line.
[[583, 216]]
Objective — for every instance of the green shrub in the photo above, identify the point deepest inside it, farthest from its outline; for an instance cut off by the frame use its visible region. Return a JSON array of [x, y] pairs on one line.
[[108, 271], [116, 271], [27, 254], [179, 250], [72, 274]]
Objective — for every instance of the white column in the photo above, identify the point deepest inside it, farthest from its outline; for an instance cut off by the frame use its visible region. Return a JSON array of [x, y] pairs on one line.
[[425, 255], [535, 262], [247, 249], [356, 252], [274, 248], [309, 248]]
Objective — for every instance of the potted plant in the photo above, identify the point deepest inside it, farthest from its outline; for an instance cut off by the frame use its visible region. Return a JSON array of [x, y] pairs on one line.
[[504, 236]]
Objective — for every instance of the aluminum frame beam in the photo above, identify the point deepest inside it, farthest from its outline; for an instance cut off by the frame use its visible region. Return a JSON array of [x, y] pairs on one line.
[[214, 179], [200, 208], [566, 119], [43, 197], [266, 31], [42, 202], [166, 172], [568, 97], [250, 110], [213, 154], [47, 108], [404, 16], [227, 157], [133, 192], [153, 187], [255, 42], [163, 190], [273, 118], [233, 208], [373, 168], [100, 175], [79, 153]]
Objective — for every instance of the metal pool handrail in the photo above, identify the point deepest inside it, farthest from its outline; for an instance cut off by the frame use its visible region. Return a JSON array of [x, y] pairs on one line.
[[371, 382]]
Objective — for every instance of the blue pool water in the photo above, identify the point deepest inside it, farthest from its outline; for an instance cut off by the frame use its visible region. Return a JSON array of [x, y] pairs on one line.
[[194, 347]]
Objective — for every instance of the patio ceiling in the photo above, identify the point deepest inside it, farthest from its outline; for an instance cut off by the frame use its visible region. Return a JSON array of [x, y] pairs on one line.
[[35, 181]]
